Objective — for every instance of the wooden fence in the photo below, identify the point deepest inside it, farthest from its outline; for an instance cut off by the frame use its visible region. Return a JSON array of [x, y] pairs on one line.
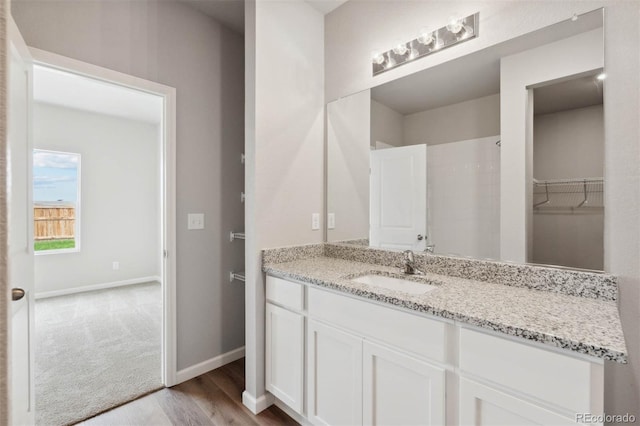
[[55, 222]]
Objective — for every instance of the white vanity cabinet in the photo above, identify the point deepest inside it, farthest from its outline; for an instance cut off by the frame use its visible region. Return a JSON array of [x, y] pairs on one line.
[[506, 382], [339, 360], [483, 405], [335, 376], [401, 390], [284, 342]]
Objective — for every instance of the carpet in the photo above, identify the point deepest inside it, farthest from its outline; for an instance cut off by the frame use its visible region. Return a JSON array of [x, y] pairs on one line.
[[96, 350]]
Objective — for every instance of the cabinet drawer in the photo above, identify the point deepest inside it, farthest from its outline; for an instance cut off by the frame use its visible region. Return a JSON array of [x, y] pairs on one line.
[[564, 381], [412, 333], [285, 293]]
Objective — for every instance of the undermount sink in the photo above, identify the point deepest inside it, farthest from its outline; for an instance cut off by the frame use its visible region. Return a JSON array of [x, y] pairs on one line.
[[393, 283]]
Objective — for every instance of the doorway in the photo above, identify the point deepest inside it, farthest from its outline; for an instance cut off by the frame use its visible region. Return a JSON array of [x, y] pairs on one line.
[[78, 234]]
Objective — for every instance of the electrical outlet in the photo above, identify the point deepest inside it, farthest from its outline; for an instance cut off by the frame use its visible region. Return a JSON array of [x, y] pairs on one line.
[[315, 221], [331, 221], [195, 221], [115, 265]]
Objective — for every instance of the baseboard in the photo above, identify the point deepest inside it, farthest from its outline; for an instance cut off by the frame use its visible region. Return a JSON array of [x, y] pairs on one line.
[[208, 365], [113, 284], [256, 405], [289, 411]]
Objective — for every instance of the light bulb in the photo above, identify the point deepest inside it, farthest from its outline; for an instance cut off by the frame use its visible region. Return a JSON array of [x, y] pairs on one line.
[[377, 57], [400, 49], [426, 37], [455, 24], [601, 76]]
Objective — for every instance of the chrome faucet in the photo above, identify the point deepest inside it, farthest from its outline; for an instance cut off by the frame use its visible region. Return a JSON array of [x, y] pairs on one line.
[[409, 267]]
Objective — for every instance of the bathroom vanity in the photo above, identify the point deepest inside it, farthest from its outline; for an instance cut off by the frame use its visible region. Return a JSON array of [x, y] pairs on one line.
[[484, 343]]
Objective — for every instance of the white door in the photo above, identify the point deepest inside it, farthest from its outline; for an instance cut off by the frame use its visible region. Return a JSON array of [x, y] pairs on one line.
[[400, 390], [285, 356], [398, 216], [483, 405], [335, 376], [20, 229]]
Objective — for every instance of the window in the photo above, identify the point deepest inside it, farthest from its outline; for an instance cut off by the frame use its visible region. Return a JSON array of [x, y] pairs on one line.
[[56, 201]]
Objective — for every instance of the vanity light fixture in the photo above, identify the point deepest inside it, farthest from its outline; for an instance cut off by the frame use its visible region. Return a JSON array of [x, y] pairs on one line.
[[427, 42]]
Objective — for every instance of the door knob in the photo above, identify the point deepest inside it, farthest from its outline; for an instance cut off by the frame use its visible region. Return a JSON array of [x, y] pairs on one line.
[[420, 237], [17, 293]]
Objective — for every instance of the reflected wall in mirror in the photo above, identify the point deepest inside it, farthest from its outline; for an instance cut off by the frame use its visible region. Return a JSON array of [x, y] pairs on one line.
[[464, 132]]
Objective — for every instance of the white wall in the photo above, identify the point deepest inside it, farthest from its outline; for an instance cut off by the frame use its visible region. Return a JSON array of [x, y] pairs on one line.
[[355, 29], [387, 124], [568, 145], [120, 187], [349, 121], [463, 198], [173, 44], [476, 118], [285, 150]]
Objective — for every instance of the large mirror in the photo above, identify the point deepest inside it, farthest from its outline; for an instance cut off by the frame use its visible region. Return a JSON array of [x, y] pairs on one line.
[[495, 155]]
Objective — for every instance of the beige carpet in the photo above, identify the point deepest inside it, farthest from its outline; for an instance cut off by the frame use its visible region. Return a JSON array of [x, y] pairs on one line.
[[96, 350]]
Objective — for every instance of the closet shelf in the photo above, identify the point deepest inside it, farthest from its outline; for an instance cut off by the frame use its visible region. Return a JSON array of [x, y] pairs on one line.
[[568, 193], [236, 236]]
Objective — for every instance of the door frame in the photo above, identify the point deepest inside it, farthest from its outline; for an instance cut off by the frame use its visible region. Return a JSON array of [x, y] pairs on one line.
[[168, 185]]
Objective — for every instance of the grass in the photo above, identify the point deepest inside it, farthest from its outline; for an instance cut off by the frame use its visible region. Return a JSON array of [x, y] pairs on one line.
[[54, 245]]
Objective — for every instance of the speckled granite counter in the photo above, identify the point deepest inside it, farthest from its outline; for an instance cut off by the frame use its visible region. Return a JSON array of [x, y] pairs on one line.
[[586, 325]]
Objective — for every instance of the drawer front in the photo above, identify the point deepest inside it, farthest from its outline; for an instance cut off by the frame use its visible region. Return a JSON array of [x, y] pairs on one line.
[[562, 380], [412, 333], [285, 293]]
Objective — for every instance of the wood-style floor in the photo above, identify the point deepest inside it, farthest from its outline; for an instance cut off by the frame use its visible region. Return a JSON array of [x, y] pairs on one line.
[[215, 398]]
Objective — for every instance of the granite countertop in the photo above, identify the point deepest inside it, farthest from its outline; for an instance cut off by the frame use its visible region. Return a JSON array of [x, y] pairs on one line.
[[585, 325]]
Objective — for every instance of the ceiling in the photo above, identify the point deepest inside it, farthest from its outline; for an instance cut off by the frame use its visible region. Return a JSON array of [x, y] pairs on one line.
[[69, 90], [471, 76], [571, 94], [230, 13]]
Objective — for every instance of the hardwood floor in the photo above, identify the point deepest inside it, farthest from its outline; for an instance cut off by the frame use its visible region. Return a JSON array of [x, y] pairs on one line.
[[215, 398]]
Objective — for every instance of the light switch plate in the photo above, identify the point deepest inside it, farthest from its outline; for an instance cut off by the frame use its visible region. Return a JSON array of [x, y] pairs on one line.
[[315, 221], [195, 221], [331, 221]]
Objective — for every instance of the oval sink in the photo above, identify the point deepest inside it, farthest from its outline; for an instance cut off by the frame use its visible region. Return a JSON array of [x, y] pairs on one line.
[[397, 284]]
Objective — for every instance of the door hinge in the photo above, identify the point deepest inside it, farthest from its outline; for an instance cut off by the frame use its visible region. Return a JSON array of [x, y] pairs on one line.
[[165, 253]]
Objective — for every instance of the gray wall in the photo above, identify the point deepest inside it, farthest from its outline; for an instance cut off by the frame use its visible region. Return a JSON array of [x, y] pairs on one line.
[[350, 121], [171, 43], [119, 203], [348, 70], [386, 125], [476, 118]]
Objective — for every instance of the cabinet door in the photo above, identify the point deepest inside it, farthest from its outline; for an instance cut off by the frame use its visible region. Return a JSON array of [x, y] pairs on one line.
[[401, 390], [335, 376], [285, 356], [483, 405]]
